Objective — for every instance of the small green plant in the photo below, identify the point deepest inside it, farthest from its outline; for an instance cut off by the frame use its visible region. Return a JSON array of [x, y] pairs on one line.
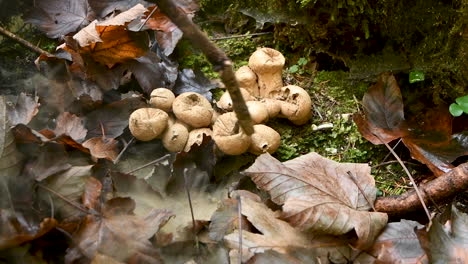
[[299, 68], [416, 76], [460, 106]]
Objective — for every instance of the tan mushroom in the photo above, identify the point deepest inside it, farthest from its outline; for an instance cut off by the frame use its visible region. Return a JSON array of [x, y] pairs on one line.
[[196, 137], [225, 102], [268, 64], [296, 104], [258, 111], [162, 98], [175, 136], [193, 109], [248, 80], [264, 139], [273, 106], [147, 123], [229, 136]]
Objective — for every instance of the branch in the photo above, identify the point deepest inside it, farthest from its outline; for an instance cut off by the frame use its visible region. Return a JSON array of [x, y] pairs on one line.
[[445, 186], [24, 42], [215, 56]]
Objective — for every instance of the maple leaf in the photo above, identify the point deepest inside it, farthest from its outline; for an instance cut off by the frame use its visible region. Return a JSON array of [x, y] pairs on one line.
[[109, 42], [23, 111], [190, 81], [105, 7], [383, 111], [399, 243], [59, 17], [318, 194], [447, 243], [118, 233]]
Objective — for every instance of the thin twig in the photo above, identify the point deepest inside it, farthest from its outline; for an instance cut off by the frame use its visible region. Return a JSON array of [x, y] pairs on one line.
[[73, 204], [391, 162], [123, 150], [361, 190], [191, 210], [239, 216], [416, 188], [147, 18], [149, 164], [24, 42], [241, 36]]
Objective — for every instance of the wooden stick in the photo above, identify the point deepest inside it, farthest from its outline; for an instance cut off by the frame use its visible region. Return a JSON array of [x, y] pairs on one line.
[[221, 63], [24, 42]]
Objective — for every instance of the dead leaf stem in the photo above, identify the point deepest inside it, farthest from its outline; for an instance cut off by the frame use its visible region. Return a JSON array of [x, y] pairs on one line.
[[149, 163]]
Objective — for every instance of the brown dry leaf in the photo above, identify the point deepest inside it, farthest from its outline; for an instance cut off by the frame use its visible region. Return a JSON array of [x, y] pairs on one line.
[[276, 234], [158, 20], [399, 243], [25, 108], [109, 42], [383, 111], [102, 148], [318, 194], [118, 233], [92, 192], [71, 125], [225, 219]]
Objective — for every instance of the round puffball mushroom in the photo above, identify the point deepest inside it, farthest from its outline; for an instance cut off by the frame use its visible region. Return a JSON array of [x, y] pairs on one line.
[[268, 64], [147, 123], [229, 136], [248, 80], [264, 139], [196, 137], [162, 98], [296, 104], [175, 136], [193, 109], [258, 111], [273, 106], [225, 102]]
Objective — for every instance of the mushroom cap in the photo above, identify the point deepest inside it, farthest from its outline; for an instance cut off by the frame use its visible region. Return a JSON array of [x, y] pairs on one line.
[[225, 101], [247, 79], [264, 139], [229, 136], [296, 104], [273, 106], [193, 109], [162, 98], [147, 123], [258, 111], [266, 60], [195, 137], [175, 136]]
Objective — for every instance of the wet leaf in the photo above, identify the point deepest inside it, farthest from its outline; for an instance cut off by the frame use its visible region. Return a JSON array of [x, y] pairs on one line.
[[71, 125], [102, 148], [318, 194], [399, 243], [383, 111], [112, 118], [51, 159], [59, 17], [99, 235], [190, 81], [105, 7], [23, 111]]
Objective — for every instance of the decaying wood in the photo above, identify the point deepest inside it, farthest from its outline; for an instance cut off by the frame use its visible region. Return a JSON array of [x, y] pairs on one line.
[[215, 56], [439, 189]]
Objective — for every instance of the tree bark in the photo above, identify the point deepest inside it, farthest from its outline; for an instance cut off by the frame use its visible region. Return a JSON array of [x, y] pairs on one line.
[[215, 56], [439, 189]]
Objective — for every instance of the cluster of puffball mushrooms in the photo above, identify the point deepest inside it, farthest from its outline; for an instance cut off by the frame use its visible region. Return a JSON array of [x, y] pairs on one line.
[[182, 121]]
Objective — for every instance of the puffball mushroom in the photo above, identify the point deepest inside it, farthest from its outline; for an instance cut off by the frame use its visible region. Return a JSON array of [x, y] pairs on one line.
[[175, 136], [146, 124], [225, 101], [229, 136], [268, 64], [273, 106], [258, 111], [193, 109], [162, 98], [264, 139], [196, 137], [296, 104], [247, 79]]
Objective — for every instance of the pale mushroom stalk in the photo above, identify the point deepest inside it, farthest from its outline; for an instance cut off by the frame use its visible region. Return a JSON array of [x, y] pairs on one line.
[[268, 64]]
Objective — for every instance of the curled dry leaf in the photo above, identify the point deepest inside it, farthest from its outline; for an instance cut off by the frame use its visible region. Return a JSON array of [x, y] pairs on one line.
[[102, 148], [318, 194], [71, 125]]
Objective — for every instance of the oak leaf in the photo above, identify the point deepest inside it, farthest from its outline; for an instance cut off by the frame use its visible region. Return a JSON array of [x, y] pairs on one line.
[[319, 194]]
